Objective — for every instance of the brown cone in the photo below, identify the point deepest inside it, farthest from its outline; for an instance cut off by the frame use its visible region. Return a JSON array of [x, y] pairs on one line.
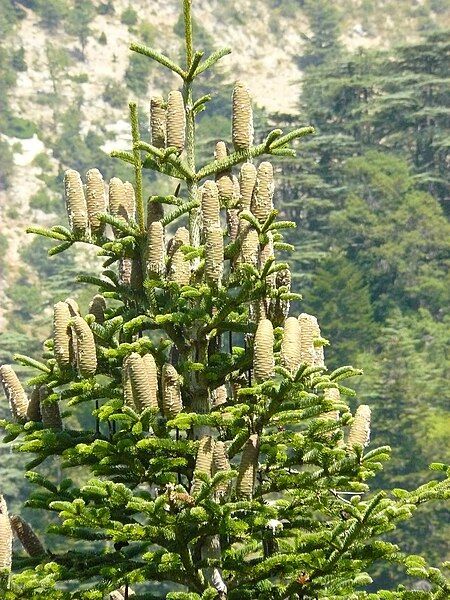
[[97, 308], [34, 409], [51, 416], [26, 535]]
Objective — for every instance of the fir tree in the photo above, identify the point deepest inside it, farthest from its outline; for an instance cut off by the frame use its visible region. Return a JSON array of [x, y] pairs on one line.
[[217, 460]]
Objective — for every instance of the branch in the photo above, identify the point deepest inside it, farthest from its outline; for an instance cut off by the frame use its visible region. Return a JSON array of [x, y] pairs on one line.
[[273, 144], [166, 156], [211, 60], [123, 155], [191, 73], [163, 60]]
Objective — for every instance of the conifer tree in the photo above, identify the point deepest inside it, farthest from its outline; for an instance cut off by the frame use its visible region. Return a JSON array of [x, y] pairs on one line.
[[222, 458]]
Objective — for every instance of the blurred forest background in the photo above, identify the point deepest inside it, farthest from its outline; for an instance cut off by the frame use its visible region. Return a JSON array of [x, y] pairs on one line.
[[369, 192]]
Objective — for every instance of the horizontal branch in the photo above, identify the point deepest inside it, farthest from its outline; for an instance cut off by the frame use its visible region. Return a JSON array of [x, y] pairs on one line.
[[161, 58], [170, 158], [275, 144], [211, 60], [123, 155]]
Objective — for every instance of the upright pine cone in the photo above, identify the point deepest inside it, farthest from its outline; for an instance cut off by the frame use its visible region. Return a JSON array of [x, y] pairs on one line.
[[309, 331], [214, 255], [224, 179], [155, 249], [75, 202], [151, 371], [6, 537], [218, 396], [86, 352], [95, 199], [130, 200], [34, 408], [155, 212], [117, 199], [248, 468], [179, 269], [176, 121], [290, 346], [126, 383], [232, 223], [263, 359], [332, 395], [220, 151], [279, 308], [262, 199], [242, 117], [158, 121], [26, 535], [74, 309], [51, 415], [247, 182], [97, 308], [210, 206], [220, 463], [171, 392], [360, 428], [249, 238], [61, 334], [203, 462], [17, 398], [144, 383]]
